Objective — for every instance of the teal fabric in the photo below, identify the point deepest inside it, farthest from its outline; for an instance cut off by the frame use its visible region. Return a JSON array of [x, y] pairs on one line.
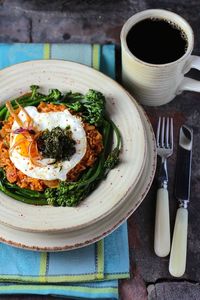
[[20, 270], [74, 265], [15, 53], [73, 53], [100, 290]]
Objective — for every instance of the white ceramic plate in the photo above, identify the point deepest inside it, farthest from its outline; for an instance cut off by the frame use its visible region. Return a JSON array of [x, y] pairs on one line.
[[113, 192], [84, 236]]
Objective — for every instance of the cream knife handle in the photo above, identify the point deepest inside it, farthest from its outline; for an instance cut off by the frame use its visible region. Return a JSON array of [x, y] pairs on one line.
[[177, 262], [162, 224]]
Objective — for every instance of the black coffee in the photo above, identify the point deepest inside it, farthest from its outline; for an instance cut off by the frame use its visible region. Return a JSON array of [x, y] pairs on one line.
[[157, 41]]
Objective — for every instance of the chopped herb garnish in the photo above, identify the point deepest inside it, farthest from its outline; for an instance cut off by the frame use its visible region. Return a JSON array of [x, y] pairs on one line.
[[57, 143]]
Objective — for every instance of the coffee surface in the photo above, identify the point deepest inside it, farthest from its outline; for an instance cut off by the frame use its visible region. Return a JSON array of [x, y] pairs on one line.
[[156, 41]]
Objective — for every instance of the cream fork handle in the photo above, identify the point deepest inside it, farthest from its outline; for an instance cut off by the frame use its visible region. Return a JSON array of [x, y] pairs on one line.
[[162, 224]]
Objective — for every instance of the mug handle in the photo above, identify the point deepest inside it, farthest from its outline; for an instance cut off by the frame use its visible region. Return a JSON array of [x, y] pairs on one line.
[[189, 84]]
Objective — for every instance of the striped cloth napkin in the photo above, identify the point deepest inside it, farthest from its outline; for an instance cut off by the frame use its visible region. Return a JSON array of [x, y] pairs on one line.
[[91, 272]]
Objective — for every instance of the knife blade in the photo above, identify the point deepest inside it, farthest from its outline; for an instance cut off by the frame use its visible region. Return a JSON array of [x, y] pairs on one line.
[[183, 165], [177, 262]]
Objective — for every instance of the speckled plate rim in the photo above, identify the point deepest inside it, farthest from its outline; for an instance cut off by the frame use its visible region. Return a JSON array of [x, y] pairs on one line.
[[59, 65], [83, 237]]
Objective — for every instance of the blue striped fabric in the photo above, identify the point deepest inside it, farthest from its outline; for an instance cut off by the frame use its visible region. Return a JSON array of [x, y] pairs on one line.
[[15, 53], [73, 53], [76, 272]]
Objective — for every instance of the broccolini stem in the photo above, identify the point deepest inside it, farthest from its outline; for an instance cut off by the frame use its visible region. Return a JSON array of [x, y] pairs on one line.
[[118, 135], [19, 197], [99, 168], [23, 192]]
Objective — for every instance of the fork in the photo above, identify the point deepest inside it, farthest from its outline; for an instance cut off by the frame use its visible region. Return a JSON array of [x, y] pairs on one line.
[[164, 140]]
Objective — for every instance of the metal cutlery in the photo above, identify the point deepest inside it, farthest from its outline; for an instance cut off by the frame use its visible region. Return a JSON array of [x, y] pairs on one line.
[[178, 253], [164, 139]]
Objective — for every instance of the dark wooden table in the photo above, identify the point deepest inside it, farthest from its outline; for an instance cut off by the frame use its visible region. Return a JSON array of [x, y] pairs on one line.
[[101, 22]]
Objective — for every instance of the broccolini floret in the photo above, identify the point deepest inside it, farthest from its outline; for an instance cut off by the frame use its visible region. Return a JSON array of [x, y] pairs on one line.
[[54, 94], [91, 107], [34, 91]]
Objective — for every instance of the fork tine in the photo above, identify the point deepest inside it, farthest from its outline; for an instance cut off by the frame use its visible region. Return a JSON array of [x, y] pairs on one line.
[[171, 134], [163, 132], [167, 133], [158, 132]]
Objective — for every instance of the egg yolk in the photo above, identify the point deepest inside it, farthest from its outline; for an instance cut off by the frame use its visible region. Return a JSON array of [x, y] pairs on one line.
[[23, 146]]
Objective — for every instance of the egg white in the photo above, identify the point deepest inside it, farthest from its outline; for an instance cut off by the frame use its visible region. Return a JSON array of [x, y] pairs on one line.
[[50, 120]]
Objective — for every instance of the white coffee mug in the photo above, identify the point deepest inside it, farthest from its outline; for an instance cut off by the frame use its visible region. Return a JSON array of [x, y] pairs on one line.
[[157, 84]]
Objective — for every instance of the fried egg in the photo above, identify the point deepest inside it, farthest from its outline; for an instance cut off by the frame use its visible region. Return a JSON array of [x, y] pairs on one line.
[[42, 121]]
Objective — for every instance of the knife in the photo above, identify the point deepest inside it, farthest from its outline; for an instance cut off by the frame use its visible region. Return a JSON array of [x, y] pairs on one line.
[[177, 262]]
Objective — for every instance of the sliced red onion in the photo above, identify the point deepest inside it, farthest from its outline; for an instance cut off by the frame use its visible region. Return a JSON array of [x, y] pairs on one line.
[[31, 131], [21, 130]]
